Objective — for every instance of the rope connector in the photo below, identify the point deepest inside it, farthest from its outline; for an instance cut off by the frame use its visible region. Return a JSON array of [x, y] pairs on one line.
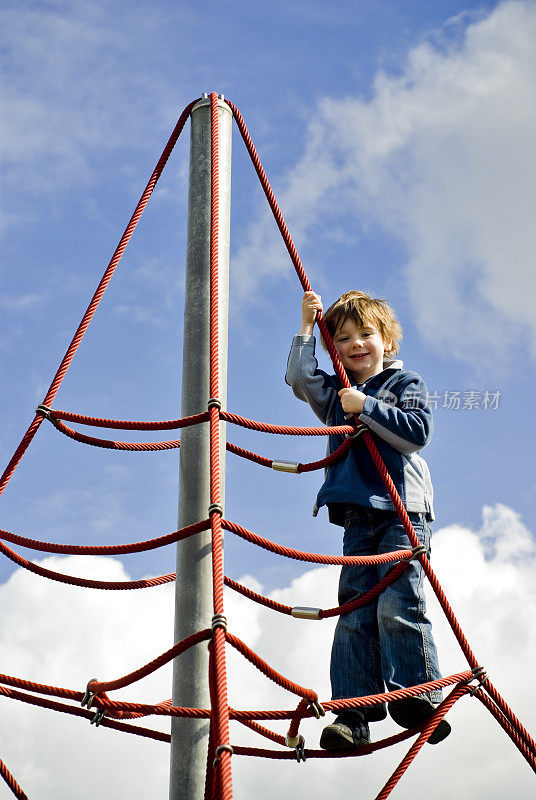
[[213, 402], [298, 743], [215, 508], [480, 675], [89, 696], [286, 466], [304, 612], [44, 410], [100, 713], [219, 621], [416, 551], [359, 431], [317, 709], [219, 750]]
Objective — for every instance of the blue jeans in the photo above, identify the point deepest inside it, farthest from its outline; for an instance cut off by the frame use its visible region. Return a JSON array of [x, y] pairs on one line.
[[387, 644]]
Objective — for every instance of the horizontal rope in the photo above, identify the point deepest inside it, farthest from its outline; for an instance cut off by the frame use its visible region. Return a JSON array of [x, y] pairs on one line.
[[110, 444], [323, 613], [314, 558], [131, 425], [106, 549], [286, 430], [145, 583], [183, 422], [76, 711], [290, 755], [165, 709], [134, 447]]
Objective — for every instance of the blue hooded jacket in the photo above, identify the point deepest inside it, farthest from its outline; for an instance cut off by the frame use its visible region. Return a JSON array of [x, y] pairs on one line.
[[396, 410]]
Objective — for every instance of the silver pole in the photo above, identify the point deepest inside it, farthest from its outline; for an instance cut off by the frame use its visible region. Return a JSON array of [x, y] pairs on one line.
[[193, 595]]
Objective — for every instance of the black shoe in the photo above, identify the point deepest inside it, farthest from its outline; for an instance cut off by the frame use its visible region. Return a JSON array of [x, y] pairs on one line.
[[414, 711], [348, 730]]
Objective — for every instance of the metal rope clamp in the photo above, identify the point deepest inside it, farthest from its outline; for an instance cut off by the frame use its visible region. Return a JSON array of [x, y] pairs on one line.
[[100, 713], [44, 410], [317, 709], [215, 508], [479, 674], [286, 466], [219, 750], [213, 402], [359, 431], [89, 696], [417, 551], [305, 612], [298, 743], [219, 621]]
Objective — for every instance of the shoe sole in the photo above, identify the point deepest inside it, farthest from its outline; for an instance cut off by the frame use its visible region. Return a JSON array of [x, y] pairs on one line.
[[409, 714], [440, 732], [332, 738]]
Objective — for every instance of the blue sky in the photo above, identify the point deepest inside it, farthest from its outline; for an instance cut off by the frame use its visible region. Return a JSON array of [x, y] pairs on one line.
[[399, 140]]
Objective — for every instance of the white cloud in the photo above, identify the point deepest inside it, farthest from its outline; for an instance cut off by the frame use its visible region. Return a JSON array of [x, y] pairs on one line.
[[23, 302], [442, 155], [65, 636]]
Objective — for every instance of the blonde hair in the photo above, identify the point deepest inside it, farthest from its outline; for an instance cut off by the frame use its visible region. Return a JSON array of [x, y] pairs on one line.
[[365, 310]]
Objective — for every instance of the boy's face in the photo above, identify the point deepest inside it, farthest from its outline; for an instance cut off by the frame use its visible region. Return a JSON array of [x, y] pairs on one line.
[[360, 349]]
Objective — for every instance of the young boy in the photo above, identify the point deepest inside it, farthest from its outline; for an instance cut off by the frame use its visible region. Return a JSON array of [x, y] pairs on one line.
[[388, 642]]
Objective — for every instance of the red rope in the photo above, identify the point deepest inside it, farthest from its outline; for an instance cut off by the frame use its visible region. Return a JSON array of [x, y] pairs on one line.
[[323, 613], [135, 447], [108, 549], [98, 687], [427, 730], [166, 709], [195, 419], [268, 462], [76, 711], [97, 297], [221, 710], [314, 558], [285, 430], [145, 583], [123, 424], [11, 782], [289, 755], [219, 783], [110, 444], [512, 731], [268, 671]]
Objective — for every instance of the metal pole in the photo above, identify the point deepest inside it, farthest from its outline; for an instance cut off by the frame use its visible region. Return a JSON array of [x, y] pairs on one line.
[[193, 596]]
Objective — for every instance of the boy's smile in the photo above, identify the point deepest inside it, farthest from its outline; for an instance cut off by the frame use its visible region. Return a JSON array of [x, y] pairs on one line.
[[361, 349]]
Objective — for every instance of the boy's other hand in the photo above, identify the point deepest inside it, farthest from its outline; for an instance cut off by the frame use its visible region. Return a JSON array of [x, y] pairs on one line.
[[311, 305], [352, 400]]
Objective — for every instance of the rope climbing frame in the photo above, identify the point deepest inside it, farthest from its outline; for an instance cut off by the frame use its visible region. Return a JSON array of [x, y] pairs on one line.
[[93, 702]]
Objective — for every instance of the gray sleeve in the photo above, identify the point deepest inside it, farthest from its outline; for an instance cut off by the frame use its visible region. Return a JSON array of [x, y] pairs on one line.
[[308, 382], [406, 425]]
